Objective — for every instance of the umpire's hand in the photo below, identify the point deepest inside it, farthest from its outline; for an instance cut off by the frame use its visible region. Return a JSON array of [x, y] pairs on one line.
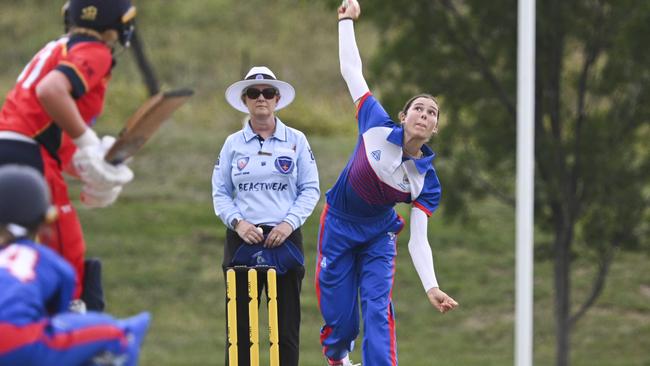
[[278, 235], [249, 233]]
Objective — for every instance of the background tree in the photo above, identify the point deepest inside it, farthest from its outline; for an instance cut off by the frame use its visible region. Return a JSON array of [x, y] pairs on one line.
[[591, 122]]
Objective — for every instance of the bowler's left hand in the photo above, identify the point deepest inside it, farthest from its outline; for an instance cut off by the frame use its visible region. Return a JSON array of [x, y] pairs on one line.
[[441, 300], [278, 235]]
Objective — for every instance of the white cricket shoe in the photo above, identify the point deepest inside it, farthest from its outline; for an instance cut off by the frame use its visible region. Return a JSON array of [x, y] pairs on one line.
[[344, 362], [77, 306], [108, 359]]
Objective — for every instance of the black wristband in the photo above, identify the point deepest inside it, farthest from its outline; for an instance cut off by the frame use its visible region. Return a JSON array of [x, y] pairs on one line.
[[234, 223], [346, 18]]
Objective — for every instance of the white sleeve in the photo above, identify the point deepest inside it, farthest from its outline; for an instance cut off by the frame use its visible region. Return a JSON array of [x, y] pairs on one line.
[[420, 250], [350, 60]]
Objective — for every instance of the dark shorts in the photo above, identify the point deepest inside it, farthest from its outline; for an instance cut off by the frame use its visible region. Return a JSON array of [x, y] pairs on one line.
[[22, 153]]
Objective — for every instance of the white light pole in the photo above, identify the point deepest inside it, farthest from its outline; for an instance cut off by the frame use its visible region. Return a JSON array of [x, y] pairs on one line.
[[525, 183]]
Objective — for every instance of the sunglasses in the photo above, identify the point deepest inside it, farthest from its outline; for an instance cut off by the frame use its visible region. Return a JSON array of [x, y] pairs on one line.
[[268, 93]]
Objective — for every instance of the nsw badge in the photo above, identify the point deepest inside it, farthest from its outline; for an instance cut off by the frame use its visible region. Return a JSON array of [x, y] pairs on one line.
[[242, 162], [284, 164]]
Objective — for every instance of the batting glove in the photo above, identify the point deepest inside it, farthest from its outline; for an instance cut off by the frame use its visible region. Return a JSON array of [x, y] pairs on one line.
[[89, 163], [92, 197]]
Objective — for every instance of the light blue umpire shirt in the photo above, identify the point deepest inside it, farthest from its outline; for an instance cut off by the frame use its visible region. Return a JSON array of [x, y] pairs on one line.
[[265, 182]]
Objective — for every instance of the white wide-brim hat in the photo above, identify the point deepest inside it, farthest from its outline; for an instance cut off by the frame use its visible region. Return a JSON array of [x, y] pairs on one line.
[[259, 75]]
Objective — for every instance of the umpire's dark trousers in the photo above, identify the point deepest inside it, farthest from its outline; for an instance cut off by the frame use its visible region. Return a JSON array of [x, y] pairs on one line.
[[289, 287]]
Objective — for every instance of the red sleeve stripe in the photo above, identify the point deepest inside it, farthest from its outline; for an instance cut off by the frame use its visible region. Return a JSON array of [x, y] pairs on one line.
[[421, 207], [14, 336], [90, 334], [320, 252], [361, 101], [20, 336]]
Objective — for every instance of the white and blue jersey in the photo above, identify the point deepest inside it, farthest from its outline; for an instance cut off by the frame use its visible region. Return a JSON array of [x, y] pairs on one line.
[[35, 282], [358, 236], [267, 181], [378, 175], [36, 329]]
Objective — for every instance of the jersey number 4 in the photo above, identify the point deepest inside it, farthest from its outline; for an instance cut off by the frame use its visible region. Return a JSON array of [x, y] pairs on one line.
[[19, 261]]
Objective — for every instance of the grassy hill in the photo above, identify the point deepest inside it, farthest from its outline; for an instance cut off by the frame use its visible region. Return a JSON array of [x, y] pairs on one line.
[[162, 245]]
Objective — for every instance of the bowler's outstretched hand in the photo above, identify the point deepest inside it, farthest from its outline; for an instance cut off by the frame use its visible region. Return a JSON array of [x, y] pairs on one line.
[[349, 9], [441, 300]]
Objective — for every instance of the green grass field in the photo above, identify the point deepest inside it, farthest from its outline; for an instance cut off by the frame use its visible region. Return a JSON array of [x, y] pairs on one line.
[[162, 245]]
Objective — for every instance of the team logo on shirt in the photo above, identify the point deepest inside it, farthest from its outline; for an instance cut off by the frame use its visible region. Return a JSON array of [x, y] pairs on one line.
[[376, 154], [284, 164], [405, 183], [87, 68], [241, 163]]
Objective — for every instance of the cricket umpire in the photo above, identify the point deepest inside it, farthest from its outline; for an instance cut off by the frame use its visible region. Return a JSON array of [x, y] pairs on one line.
[[264, 186]]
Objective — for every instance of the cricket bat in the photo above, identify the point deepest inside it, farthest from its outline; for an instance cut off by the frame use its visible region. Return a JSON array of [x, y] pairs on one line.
[[145, 122]]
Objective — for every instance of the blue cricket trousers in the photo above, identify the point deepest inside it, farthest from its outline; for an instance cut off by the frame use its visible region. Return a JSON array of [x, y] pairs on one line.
[[356, 262]]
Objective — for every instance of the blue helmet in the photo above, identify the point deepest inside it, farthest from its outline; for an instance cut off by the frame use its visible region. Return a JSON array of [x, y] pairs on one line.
[[101, 15], [24, 199]]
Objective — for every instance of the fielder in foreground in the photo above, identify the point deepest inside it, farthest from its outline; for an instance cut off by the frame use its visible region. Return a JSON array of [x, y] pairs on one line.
[[47, 117], [37, 286], [358, 231]]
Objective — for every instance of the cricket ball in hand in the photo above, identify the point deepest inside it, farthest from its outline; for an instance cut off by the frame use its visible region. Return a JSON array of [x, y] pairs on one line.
[[259, 230]]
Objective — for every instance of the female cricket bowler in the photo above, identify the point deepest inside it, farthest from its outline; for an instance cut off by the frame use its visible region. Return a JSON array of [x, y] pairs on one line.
[[391, 163], [37, 286]]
